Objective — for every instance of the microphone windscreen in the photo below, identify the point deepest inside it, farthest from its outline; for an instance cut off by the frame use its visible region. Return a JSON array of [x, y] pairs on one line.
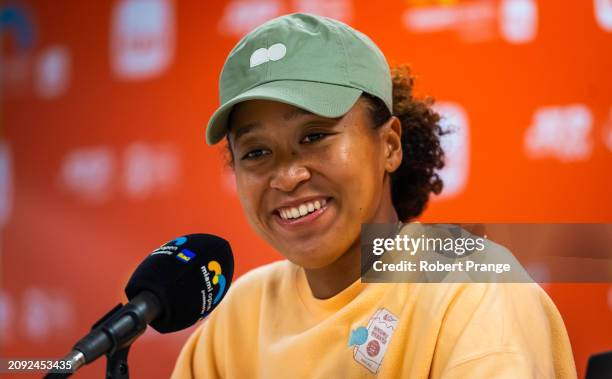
[[189, 275]]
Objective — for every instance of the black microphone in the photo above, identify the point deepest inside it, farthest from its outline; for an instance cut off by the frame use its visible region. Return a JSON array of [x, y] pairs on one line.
[[178, 284]]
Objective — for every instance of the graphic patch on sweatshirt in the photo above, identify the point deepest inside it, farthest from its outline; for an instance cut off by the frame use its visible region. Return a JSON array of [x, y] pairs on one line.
[[371, 342]]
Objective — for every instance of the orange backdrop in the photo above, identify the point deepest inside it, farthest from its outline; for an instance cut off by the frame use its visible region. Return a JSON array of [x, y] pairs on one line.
[[102, 156]]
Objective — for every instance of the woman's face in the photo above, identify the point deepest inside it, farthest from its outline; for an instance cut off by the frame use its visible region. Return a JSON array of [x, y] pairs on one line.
[[306, 182]]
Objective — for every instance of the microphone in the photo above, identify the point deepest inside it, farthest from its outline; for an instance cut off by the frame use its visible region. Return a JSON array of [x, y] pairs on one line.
[[178, 284]]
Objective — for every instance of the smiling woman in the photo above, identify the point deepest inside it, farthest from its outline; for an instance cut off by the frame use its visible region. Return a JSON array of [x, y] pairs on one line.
[[339, 164], [323, 138]]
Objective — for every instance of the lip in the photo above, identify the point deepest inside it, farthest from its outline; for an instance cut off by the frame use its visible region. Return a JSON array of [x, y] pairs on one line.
[[309, 218]]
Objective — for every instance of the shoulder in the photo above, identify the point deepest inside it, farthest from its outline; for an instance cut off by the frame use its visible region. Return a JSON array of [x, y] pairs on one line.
[[493, 302], [502, 322], [481, 316]]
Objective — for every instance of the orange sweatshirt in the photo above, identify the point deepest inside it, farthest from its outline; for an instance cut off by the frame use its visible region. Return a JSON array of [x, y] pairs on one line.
[[271, 326]]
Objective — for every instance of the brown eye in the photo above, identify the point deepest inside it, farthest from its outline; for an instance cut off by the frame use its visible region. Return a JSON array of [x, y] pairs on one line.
[[254, 154], [314, 137]]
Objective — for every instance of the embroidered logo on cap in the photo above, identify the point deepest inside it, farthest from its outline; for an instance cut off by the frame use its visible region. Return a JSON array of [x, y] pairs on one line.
[[272, 53]]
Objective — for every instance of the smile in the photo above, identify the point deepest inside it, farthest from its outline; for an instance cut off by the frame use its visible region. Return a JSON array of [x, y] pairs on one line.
[[303, 213], [301, 210]]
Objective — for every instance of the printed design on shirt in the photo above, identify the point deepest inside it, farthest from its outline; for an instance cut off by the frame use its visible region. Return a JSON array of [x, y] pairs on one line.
[[371, 342]]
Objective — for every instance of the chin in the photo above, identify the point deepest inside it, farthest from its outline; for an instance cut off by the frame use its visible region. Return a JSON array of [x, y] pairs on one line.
[[311, 259]]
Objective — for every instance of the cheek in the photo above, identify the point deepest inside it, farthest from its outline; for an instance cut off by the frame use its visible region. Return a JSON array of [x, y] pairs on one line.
[[249, 189], [355, 167]]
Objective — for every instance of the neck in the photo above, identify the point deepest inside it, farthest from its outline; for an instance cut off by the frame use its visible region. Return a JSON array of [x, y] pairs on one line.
[[328, 281]]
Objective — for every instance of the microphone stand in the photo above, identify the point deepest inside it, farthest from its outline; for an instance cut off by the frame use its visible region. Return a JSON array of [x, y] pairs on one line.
[[119, 329], [117, 364]]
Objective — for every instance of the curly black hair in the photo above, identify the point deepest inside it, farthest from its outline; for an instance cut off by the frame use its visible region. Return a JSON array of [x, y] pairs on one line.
[[416, 177]]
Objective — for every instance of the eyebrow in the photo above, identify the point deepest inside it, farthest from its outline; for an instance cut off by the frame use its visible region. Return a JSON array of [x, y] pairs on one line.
[[245, 129], [295, 113], [250, 127]]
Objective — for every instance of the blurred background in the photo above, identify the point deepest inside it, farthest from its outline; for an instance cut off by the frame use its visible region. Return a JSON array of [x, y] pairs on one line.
[[102, 152]]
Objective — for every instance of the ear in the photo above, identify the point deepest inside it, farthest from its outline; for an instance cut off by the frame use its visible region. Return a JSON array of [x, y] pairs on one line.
[[392, 139]]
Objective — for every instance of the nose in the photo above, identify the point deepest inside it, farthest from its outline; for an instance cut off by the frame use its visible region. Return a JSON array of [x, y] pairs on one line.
[[288, 177]]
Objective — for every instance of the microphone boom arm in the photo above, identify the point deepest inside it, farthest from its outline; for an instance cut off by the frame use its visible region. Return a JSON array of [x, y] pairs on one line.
[[113, 335]]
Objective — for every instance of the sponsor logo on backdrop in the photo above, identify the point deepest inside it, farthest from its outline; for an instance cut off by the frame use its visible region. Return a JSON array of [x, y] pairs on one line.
[[518, 20], [149, 170], [6, 317], [95, 173], [242, 16], [6, 182], [603, 14], [16, 20], [562, 132], [456, 146], [474, 20], [45, 313], [470, 20], [88, 173], [17, 60], [339, 9], [53, 72], [142, 38]]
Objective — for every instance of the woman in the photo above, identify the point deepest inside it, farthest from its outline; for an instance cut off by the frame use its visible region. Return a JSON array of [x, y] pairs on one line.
[[323, 138]]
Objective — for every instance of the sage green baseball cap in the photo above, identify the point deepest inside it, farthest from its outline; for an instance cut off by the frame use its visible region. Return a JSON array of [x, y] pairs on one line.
[[312, 62]]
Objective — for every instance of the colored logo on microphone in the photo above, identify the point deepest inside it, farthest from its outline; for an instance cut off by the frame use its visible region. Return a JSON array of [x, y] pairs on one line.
[[218, 279], [185, 255], [179, 241]]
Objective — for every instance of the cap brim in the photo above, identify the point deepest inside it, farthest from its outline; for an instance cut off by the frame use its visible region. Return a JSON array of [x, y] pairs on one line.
[[323, 99]]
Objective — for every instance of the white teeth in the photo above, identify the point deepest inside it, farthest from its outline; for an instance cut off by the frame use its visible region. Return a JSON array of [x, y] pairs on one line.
[[301, 210]]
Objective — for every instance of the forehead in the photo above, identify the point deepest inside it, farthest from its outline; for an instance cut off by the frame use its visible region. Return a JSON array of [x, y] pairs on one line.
[[252, 110], [251, 115], [248, 115]]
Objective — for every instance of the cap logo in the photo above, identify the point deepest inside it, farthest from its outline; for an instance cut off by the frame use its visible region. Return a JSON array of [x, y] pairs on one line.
[[272, 53]]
